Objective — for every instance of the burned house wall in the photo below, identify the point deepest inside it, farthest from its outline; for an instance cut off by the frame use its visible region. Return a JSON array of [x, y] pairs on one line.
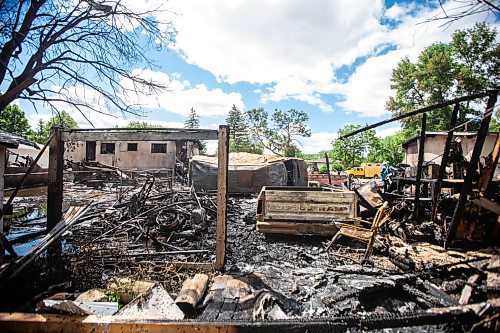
[[434, 146], [142, 157]]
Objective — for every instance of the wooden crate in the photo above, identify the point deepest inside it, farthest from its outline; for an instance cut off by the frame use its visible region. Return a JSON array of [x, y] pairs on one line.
[[302, 211]]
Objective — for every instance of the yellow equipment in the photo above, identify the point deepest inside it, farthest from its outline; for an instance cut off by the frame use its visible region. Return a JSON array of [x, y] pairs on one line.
[[366, 170]]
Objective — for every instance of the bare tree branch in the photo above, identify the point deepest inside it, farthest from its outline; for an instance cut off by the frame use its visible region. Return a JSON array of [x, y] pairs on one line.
[[92, 44], [462, 8]]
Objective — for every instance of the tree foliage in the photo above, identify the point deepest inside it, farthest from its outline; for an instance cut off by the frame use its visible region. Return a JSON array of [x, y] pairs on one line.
[[389, 148], [13, 120], [39, 134], [61, 119], [238, 130], [281, 133], [192, 120], [468, 64], [353, 150], [50, 48], [141, 124]]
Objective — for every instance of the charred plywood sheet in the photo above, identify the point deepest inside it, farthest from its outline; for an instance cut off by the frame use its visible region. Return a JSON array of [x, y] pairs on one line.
[[303, 210]]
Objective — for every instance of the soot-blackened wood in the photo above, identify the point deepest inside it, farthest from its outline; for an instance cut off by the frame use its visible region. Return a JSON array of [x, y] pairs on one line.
[[421, 149], [222, 181], [472, 167], [328, 169], [444, 160], [55, 179], [138, 135], [192, 293], [422, 110]]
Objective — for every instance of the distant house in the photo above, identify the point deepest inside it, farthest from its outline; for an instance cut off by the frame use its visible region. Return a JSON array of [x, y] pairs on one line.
[[131, 155], [435, 141]]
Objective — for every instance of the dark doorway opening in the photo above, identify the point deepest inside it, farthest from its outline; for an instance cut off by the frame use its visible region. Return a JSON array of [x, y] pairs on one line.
[[90, 154]]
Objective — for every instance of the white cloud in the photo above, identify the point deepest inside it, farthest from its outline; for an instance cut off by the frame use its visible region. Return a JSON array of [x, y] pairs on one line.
[[181, 96], [296, 46], [384, 132], [367, 89], [317, 142], [264, 41]]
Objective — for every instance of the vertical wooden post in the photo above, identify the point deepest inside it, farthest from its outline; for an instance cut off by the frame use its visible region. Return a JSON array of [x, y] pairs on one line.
[[421, 149], [472, 167], [328, 169], [222, 175], [3, 151], [55, 179], [444, 161]]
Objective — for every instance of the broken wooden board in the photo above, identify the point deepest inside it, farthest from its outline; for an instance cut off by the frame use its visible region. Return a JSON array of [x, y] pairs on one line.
[[294, 228], [78, 308], [303, 210]]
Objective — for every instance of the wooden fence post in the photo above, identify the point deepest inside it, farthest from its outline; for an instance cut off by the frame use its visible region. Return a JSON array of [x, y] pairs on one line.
[[421, 149], [55, 179], [222, 175]]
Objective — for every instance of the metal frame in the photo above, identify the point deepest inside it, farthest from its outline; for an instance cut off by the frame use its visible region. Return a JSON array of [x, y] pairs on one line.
[[56, 163]]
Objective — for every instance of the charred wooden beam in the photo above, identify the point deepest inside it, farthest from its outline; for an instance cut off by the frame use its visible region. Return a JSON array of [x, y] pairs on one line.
[[422, 110], [138, 135], [444, 160], [222, 182], [55, 179], [328, 169], [471, 168], [421, 149]]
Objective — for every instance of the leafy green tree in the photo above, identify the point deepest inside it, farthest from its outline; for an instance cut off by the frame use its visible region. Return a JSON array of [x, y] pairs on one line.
[[141, 124], [468, 64], [390, 148], [352, 151], [192, 120], [238, 131], [61, 119], [39, 133], [281, 133], [13, 120]]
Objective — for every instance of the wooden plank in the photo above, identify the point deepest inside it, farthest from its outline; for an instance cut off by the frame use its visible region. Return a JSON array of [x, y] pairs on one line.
[[304, 217], [444, 160], [139, 135], [55, 179], [222, 181], [471, 168], [293, 228], [421, 149], [304, 195], [31, 323]]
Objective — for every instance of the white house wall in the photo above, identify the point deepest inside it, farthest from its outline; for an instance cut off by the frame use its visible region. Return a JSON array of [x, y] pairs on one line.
[[142, 159], [434, 146]]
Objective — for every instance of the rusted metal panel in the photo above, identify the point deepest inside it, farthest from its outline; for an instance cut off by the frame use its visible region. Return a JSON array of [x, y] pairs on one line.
[[303, 210]]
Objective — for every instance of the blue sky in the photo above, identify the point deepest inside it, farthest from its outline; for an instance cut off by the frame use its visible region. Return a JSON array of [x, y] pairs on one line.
[[331, 59]]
